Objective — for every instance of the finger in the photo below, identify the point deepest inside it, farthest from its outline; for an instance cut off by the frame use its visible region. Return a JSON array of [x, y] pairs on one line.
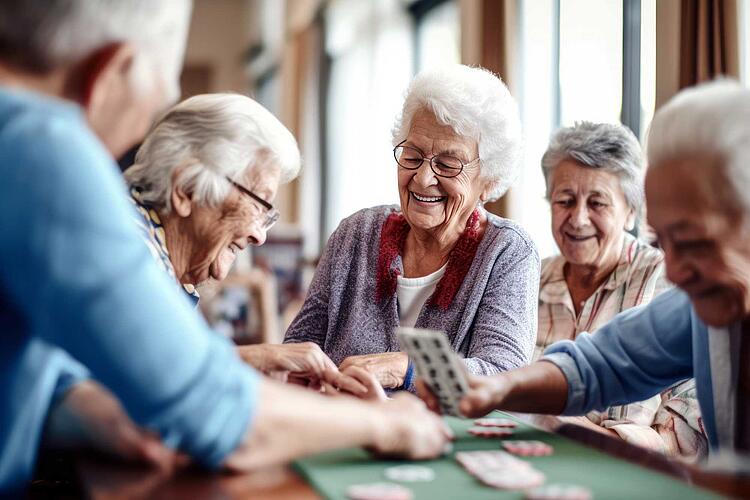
[[347, 383], [477, 402], [424, 392], [369, 381]]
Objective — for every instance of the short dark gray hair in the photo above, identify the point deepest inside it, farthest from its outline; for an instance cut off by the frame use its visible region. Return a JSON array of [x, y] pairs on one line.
[[609, 147]]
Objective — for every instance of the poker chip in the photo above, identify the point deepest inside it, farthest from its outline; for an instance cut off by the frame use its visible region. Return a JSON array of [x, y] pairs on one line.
[[558, 492], [489, 432], [528, 448], [409, 473], [378, 491], [495, 422]]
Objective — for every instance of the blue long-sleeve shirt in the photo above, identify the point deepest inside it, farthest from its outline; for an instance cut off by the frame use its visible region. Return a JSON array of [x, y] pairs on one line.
[[76, 277], [639, 353]]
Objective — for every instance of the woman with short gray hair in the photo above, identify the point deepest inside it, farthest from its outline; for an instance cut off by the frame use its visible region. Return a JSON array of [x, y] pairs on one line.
[[203, 182], [439, 260], [594, 179]]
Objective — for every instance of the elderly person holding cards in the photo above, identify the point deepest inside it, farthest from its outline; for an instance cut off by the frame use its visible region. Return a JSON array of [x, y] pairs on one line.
[[594, 182], [439, 260], [203, 182], [698, 194]]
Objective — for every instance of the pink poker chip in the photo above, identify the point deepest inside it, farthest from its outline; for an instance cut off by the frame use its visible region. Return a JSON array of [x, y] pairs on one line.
[[489, 432], [495, 422], [528, 448]]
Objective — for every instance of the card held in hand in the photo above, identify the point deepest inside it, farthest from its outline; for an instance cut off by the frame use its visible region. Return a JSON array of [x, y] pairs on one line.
[[435, 361]]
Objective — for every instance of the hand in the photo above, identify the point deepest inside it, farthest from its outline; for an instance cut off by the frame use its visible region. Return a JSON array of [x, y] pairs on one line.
[[375, 391], [485, 394], [409, 430], [89, 415], [389, 368], [303, 362]]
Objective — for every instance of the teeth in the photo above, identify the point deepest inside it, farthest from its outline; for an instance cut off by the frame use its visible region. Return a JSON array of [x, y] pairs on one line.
[[427, 198]]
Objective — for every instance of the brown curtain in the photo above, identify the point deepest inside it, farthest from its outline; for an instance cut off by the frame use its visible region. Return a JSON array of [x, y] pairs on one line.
[[709, 44]]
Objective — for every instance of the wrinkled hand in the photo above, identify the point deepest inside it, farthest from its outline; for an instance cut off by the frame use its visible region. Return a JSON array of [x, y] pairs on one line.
[[303, 362], [90, 416], [409, 430], [389, 368], [485, 394], [375, 391]]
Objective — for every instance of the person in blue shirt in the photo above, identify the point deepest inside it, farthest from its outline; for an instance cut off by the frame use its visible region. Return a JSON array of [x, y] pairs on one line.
[[97, 346], [698, 199]]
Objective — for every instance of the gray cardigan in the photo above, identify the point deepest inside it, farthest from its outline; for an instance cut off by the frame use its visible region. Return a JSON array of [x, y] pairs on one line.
[[491, 321]]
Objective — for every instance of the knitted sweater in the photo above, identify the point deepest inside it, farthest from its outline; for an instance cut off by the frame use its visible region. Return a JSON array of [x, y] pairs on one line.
[[491, 320]]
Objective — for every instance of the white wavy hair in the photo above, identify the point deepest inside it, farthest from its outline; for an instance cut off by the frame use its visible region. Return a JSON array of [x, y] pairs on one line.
[[211, 137], [601, 146], [475, 103], [711, 118], [42, 35]]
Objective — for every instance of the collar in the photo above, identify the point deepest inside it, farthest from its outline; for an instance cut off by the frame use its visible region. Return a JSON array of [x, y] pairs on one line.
[[554, 289], [156, 239], [389, 266]]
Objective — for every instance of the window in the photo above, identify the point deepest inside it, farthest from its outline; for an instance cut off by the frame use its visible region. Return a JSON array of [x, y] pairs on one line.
[[438, 34], [573, 62], [744, 20], [371, 66]]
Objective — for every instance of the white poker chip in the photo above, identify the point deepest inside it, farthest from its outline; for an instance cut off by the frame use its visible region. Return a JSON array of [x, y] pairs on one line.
[[378, 491], [409, 473], [559, 492], [495, 422]]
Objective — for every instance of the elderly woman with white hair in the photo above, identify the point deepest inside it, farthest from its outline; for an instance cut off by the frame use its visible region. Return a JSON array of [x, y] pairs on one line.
[[594, 182], [203, 182], [439, 260]]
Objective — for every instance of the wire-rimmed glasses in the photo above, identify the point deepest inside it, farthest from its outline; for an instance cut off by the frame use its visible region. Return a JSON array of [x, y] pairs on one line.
[[272, 213], [442, 164]]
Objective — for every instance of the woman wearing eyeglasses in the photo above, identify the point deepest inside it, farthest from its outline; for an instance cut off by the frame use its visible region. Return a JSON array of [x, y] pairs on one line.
[[203, 182], [438, 260]]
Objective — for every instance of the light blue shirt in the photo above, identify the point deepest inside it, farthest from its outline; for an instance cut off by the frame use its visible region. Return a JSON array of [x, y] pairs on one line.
[[76, 278], [636, 355]]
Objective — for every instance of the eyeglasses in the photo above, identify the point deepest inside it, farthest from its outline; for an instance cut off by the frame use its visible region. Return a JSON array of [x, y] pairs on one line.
[[272, 213], [443, 165]]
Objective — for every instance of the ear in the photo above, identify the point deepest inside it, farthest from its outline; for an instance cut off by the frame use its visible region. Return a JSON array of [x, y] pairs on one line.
[[100, 74], [630, 221], [182, 201], [489, 186]]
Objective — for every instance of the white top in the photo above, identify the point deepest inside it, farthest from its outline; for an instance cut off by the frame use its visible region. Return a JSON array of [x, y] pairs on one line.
[[412, 294]]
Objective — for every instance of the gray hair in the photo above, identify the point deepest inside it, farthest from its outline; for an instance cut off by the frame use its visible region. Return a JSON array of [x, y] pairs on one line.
[[42, 35], [210, 137], [609, 147], [712, 118], [475, 103]]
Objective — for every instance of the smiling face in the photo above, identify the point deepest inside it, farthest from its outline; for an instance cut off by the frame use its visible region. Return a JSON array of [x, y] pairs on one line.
[[219, 233], [589, 215], [704, 237], [429, 202]]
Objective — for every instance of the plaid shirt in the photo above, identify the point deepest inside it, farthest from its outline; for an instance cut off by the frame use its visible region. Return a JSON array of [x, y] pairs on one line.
[[668, 422]]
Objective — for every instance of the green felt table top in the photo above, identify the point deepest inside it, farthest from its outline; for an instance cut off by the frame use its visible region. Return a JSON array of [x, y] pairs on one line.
[[571, 463]]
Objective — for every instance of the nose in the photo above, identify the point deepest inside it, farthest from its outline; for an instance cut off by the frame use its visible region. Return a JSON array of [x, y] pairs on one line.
[[424, 176], [679, 270], [257, 234], [579, 216]]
